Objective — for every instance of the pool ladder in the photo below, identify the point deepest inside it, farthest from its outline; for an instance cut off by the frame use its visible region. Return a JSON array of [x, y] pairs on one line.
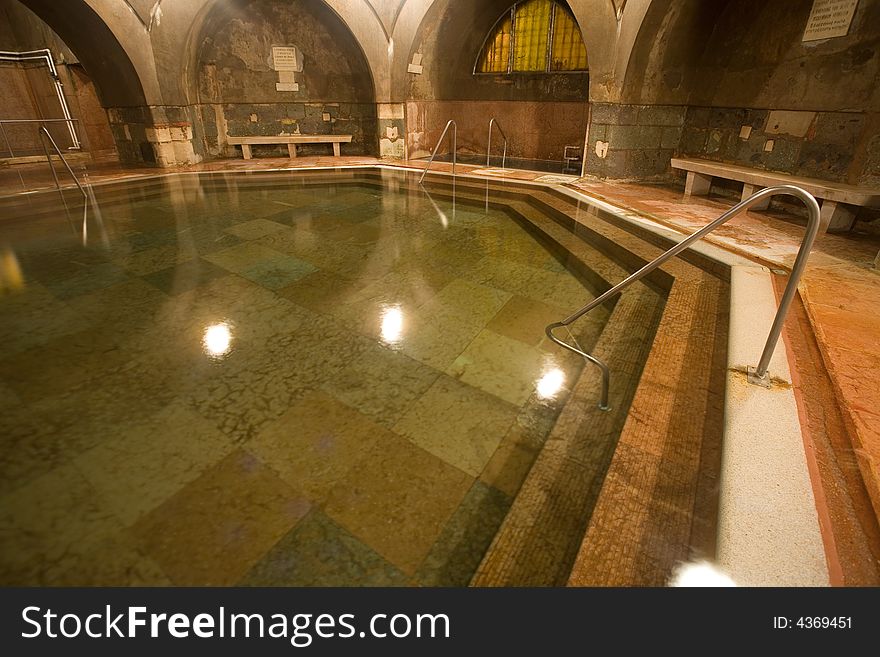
[[756, 375], [440, 141], [45, 134], [494, 122]]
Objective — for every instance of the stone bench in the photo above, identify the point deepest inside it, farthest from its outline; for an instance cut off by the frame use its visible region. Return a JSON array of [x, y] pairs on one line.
[[290, 140], [839, 202]]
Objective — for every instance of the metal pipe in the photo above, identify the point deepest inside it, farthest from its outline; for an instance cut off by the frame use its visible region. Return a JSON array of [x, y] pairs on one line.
[[494, 121], [46, 55], [37, 120], [759, 375], [440, 141]]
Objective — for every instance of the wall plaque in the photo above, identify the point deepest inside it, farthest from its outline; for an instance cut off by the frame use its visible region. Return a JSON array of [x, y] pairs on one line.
[[286, 58], [829, 19]]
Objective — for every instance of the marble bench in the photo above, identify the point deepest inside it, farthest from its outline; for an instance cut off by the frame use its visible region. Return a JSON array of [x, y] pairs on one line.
[[839, 202], [290, 140]]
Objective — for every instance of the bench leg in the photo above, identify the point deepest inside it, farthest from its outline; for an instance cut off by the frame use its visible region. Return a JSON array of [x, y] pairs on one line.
[[749, 190], [697, 184], [836, 217], [246, 151], [336, 150], [291, 149]]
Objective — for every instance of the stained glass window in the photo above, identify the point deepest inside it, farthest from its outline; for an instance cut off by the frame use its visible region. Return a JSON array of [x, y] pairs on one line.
[[533, 36]]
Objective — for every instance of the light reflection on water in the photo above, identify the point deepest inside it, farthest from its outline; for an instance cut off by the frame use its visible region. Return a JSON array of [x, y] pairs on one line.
[[217, 340], [392, 324], [550, 383]]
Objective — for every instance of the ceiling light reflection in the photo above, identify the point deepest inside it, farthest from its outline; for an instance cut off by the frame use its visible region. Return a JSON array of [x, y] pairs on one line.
[[550, 383], [392, 324], [217, 340]]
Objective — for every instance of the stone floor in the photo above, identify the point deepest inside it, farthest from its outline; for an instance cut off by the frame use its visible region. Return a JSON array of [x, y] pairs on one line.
[[273, 361], [840, 291]]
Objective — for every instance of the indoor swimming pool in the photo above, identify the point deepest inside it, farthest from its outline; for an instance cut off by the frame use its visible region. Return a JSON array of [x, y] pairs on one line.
[[327, 378]]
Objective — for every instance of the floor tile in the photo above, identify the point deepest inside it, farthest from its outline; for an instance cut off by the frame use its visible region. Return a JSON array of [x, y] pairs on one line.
[[435, 339], [525, 319], [34, 316], [320, 290], [501, 366], [242, 256], [219, 525], [185, 276], [47, 518], [251, 230], [397, 499], [88, 279], [148, 261], [465, 538], [279, 272], [318, 552], [476, 303], [381, 384], [150, 461], [458, 423], [316, 442], [509, 465]]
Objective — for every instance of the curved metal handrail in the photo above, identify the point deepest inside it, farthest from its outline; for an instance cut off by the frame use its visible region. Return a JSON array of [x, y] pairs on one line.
[[759, 374], [440, 141], [494, 121]]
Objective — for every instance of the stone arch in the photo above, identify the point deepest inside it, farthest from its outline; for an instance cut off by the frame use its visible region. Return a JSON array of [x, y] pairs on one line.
[[548, 111], [230, 78], [121, 68], [747, 90], [362, 25]]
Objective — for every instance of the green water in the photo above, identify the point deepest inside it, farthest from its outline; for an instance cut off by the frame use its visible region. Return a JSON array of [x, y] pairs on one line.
[[308, 379]]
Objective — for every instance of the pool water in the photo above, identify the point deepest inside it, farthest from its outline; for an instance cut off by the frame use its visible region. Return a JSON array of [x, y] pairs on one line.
[[331, 378]]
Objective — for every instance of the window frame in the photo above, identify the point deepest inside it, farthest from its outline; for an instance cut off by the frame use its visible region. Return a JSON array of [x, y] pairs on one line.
[[511, 13]]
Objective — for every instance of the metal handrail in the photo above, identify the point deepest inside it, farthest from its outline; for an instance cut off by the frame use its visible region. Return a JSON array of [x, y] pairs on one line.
[[45, 55], [44, 131], [4, 122], [757, 375], [494, 121], [440, 141]]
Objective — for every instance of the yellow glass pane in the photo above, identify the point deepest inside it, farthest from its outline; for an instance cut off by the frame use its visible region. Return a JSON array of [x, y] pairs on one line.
[[531, 30], [569, 52], [496, 53]]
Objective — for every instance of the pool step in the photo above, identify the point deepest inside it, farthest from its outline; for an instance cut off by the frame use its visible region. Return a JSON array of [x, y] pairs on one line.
[[541, 534], [655, 506]]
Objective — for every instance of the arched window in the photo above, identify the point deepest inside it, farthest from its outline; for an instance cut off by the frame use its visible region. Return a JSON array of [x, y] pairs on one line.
[[533, 36]]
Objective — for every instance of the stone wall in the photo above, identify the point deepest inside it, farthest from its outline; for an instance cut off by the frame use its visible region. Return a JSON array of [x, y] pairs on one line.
[[535, 129], [29, 91], [755, 94], [541, 113], [815, 144], [241, 94], [633, 141]]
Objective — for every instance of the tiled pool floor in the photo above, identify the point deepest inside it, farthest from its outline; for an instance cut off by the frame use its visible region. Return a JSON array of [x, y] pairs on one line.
[[240, 381]]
